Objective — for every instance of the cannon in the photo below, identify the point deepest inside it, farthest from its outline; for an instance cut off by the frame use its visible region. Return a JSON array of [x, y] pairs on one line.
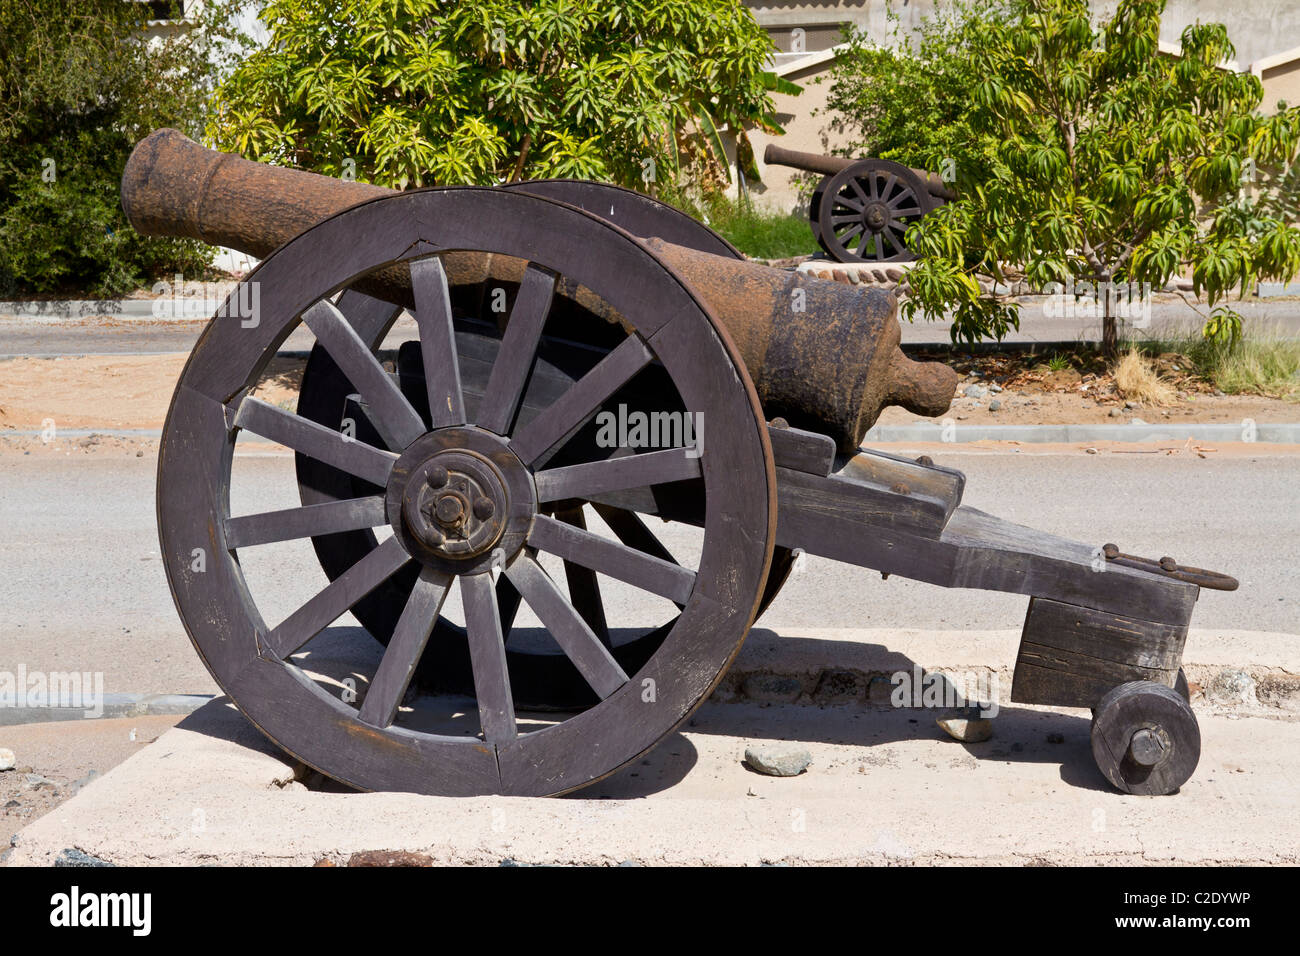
[[861, 209], [492, 461]]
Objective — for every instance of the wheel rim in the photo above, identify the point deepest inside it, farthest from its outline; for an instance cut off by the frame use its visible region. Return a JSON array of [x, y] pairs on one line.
[[865, 210], [255, 663]]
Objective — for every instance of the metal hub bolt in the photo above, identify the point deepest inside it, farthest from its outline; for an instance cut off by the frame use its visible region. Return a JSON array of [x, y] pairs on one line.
[[449, 510], [1149, 746], [456, 504]]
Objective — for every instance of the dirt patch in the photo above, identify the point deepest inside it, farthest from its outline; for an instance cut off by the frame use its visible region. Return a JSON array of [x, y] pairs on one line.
[[1016, 388], [105, 391], [133, 392]]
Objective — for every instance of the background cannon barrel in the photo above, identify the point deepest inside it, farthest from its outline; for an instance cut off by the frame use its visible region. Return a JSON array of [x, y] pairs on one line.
[[809, 162], [823, 355], [830, 165]]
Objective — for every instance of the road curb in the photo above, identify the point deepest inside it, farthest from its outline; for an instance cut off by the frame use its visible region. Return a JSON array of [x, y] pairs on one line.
[[952, 433], [114, 705], [122, 310]]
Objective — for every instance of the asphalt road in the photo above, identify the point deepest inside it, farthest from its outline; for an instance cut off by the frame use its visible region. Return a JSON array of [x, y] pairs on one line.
[[82, 587], [28, 335]]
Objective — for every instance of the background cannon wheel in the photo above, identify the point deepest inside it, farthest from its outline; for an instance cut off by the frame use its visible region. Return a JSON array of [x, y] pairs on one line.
[[502, 465], [539, 681], [1145, 738], [815, 211], [863, 211]]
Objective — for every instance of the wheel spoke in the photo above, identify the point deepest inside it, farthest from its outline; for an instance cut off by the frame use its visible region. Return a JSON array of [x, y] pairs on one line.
[[889, 187], [393, 417], [397, 666], [315, 441], [513, 363], [370, 318], [613, 559], [508, 605], [351, 514], [868, 195], [437, 342], [904, 195], [847, 203], [616, 474], [592, 658], [845, 220], [849, 233], [632, 531], [584, 589], [888, 235], [336, 598], [487, 655], [577, 404]]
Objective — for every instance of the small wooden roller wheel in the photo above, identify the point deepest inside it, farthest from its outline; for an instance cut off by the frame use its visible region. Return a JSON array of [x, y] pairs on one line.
[[1145, 738]]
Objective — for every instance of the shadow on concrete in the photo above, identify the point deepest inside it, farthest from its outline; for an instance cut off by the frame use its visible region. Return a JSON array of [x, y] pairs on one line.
[[347, 654]]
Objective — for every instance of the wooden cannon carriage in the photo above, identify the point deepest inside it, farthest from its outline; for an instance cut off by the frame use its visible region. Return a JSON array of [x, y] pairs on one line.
[[861, 209], [540, 308]]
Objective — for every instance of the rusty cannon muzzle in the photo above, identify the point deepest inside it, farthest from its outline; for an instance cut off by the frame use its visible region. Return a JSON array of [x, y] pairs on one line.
[[823, 355]]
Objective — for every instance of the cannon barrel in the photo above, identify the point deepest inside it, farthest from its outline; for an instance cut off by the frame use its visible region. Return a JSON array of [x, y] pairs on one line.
[[823, 355], [809, 162], [830, 165]]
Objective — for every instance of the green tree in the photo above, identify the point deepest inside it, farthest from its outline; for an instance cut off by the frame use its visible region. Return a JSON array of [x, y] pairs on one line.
[[1081, 155], [78, 88], [423, 92]]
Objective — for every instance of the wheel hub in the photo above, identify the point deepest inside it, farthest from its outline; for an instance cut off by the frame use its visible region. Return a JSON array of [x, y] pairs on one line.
[[460, 500], [456, 504], [1149, 746], [876, 216]]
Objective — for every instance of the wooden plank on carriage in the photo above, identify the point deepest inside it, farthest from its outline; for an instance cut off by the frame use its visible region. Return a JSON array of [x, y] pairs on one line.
[[921, 475], [799, 450], [1071, 655], [853, 499]]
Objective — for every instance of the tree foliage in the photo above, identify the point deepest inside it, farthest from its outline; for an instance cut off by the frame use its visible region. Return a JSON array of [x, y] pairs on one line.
[[1081, 154], [79, 87], [424, 92]]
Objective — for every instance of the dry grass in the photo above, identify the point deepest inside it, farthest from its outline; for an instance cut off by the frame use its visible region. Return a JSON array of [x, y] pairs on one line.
[[1138, 381], [1265, 362]]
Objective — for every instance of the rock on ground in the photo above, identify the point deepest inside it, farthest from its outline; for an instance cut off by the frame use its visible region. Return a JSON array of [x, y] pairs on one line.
[[778, 760]]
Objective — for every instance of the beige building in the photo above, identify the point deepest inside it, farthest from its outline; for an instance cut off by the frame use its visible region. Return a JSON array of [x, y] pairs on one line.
[[807, 33], [1280, 74]]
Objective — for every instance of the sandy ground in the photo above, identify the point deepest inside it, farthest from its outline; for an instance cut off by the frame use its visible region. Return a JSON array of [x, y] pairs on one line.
[[1055, 408], [105, 391]]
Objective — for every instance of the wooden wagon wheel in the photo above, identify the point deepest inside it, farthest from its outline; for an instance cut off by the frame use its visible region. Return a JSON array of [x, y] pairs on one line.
[[1145, 738], [865, 209], [464, 498], [544, 681], [815, 212]]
